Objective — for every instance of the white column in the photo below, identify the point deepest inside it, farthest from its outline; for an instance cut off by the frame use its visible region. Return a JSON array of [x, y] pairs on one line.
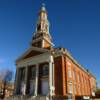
[[24, 83], [26, 75], [53, 81], [51, 76], [36, 80], [16, 80]]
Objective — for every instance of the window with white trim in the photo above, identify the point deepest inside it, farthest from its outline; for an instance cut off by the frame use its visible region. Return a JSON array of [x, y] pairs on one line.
[[70, 88], [69, 72]]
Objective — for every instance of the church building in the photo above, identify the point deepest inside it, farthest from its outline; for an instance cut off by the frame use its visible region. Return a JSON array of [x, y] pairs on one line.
[[45, 70]]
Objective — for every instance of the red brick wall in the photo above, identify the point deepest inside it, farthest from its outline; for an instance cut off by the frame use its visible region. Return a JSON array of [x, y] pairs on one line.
[[93, 84], [79, 78], [58, 76]]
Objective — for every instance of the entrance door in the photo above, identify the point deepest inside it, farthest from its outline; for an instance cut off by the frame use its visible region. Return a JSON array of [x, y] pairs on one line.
[[32, 87], [44, 87], [23, 88]]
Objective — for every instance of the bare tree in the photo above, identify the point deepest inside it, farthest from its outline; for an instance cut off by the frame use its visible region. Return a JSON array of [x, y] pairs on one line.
[[6, 76]]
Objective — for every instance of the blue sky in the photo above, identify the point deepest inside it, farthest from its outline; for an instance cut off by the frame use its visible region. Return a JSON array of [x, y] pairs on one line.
[[75, 25]]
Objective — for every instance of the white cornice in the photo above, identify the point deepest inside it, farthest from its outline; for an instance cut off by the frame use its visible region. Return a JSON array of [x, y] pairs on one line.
[[45, 57], [30, 49], [60, 53], [41, 38]]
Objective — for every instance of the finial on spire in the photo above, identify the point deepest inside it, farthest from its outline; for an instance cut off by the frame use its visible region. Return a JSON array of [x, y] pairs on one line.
[[43, 7], [43, 4]]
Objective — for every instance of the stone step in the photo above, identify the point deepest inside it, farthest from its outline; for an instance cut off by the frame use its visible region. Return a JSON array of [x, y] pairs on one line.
[[28, 98]]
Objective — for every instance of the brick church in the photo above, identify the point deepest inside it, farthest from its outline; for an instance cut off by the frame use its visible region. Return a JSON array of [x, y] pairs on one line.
[[45, 70]]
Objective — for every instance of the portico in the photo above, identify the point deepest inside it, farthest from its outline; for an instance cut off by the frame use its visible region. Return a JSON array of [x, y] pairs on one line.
[[35, 75]]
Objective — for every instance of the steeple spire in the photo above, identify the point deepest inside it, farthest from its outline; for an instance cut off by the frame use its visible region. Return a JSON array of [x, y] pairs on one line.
[[43, 7], [43, 24], [42, 30]]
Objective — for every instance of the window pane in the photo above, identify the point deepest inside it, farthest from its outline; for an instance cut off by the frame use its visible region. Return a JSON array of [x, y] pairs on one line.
[[69, 73], [45, 70]]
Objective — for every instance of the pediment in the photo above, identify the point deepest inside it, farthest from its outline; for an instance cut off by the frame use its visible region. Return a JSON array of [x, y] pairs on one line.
[[31, 52]]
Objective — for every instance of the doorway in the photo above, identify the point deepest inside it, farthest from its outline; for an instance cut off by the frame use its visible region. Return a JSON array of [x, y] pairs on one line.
[[44, 87]]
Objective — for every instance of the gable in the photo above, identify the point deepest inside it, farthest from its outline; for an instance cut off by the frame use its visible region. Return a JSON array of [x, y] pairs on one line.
[[32, 54]]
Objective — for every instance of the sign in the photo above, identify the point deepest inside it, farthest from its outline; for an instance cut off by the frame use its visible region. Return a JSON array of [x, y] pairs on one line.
[[93, 93], [52, 88], [86, 97]]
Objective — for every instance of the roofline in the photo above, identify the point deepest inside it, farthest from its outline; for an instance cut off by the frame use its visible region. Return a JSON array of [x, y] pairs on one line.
[[80, 66], [68, 54], [31, 48]]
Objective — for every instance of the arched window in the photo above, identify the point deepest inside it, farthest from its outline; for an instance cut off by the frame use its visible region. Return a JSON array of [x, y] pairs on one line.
[[74, 74], [69, 72]]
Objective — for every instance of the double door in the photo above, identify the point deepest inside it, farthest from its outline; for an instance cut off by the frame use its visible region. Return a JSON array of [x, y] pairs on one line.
[[32, 87], [44, 87]]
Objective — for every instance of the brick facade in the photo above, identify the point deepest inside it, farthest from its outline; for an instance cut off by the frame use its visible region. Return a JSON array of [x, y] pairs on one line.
[[68, 74]]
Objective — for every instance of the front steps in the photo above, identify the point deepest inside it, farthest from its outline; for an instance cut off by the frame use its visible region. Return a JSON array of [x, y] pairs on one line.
[[28, 98]]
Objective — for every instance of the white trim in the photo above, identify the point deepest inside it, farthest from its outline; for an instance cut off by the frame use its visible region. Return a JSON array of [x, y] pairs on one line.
[[60, 53], [45, 57], [51, 75], [49, 41], [41, 38], [16, 80], [36, 80], [69, 63], [42, 43], [53, 86], [26, 74], [29, 50]]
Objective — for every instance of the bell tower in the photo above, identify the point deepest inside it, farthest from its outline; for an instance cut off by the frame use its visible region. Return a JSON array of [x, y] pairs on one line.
[[42, 38]]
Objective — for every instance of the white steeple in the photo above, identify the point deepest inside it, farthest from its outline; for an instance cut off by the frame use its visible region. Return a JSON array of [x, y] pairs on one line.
[[42, 35]]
